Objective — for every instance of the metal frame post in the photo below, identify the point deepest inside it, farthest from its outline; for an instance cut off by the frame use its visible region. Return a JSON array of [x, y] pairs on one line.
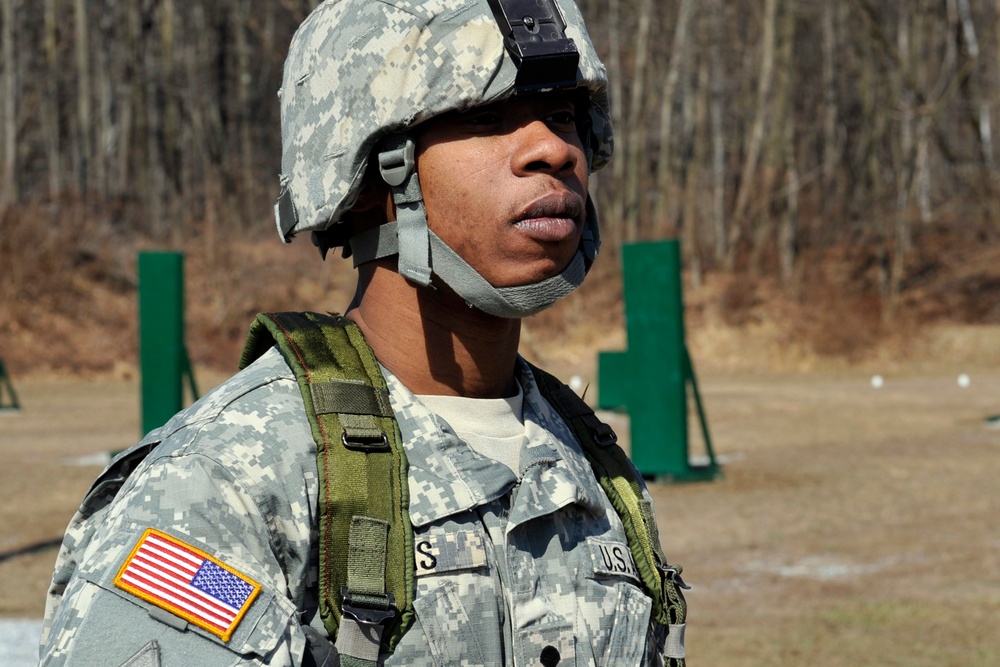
[[12, 404], [163, 358], [650, 380]]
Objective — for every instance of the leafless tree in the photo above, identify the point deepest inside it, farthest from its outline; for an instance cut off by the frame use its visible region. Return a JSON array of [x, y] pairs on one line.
[[755, 131], [9, 185]]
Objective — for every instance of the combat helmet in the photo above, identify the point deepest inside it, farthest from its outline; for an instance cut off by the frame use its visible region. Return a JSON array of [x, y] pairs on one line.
[[361, 74]]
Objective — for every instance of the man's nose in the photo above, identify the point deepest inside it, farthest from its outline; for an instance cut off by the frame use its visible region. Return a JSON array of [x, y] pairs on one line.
[[540, 149]]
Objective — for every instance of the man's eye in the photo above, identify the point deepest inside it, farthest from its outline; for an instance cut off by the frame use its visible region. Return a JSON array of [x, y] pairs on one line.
[[482, 119], [563, 118]]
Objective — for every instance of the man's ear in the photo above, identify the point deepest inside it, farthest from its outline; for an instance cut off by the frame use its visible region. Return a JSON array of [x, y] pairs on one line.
[[374, 195], [373, 207], [367, 199]]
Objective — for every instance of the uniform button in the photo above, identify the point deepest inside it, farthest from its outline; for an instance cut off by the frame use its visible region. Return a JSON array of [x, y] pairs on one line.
[[550, 656]]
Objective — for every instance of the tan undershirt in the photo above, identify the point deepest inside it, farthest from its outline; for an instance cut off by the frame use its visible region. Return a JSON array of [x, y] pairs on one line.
[[493, 427]]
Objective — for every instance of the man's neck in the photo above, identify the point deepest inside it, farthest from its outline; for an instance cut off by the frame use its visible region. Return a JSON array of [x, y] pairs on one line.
[[432, 341]]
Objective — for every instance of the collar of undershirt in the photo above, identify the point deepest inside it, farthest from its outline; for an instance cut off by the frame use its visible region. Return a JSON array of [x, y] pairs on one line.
[[487, 417]]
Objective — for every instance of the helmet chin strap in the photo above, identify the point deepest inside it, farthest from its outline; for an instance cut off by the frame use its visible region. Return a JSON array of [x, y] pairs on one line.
[[422, 252], [398, 165], [456, 273]]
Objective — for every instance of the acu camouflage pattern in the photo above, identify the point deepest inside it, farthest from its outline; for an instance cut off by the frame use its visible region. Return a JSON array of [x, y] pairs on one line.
[[546, 581], [358, 70], [506, 569], [225, 476]]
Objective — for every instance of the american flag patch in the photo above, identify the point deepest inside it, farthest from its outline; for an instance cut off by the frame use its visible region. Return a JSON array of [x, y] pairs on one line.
[[187, 582]]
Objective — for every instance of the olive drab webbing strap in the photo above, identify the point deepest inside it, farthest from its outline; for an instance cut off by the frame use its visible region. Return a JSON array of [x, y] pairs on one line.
[[617, 477], [366, 566], [366, 539]]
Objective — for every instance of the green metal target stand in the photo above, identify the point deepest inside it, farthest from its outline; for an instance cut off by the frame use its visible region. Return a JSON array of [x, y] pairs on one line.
[[163, 357], [8, 397], [652, 379]]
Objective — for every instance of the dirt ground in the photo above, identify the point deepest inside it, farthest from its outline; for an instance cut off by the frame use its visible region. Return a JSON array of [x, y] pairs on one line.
[[853, 526]]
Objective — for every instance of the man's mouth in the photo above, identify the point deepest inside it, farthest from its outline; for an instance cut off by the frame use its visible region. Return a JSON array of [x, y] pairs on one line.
[[552, 217]]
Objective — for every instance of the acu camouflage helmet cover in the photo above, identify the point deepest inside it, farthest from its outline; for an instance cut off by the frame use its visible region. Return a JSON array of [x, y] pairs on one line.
[[360, 70]]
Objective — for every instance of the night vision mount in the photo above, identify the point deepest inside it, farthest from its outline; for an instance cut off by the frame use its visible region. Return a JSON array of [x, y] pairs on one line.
[[534, 33]]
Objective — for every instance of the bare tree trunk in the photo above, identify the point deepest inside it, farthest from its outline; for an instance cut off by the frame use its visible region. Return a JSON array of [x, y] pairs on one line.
[[105, 130], [788, 228], [203, 172], [714, 20], [951, 42], [996, 64], [8, 186], [924, 168], [84, 124], [50, 103], [194, 169], [692, 170], [748, 176], [615, 78], [153, 120], [240, 18], [907, 114], [132, 171], [885, 273], [986, 135], [635, 134], [785, 115], [123, 146], [117, 100], [267, 37], [831, 147], [775, 154], [978, 106], [678, 55], [922, 177], [873, 120], [978, 111], [171, 119], [218, 195]]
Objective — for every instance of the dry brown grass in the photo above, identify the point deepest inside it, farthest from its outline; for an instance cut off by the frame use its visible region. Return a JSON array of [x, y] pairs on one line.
[[68, 294], [68, 301], [852, 526]]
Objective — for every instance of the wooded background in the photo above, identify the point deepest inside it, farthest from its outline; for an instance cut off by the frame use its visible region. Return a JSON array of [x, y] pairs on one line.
[[753, 131]]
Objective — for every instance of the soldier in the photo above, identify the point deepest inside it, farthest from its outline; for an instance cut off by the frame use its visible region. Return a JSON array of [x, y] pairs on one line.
[[447, 146]]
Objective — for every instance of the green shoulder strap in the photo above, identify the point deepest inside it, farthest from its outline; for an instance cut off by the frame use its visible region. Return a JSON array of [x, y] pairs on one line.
[[366, 566], [366, 541], [617, 477]]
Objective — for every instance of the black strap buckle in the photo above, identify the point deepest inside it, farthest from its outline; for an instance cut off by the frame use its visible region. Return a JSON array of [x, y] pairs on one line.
[[673, 573], [368, 609], [357, 443], [605, 436]]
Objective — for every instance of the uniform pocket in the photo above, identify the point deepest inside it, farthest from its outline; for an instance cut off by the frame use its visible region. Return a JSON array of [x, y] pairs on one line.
[[615, 608], [627, 642], [545, 645], [453, 638]]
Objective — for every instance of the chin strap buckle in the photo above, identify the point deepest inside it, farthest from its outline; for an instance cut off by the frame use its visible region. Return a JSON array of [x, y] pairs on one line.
[[398, 160], [397, 163]]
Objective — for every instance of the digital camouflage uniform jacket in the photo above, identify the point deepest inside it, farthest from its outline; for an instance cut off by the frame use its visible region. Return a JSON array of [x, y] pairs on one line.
[[505, 569]]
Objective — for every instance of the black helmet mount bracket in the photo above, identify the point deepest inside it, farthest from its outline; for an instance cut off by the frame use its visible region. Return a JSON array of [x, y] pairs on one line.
[[534, 33]]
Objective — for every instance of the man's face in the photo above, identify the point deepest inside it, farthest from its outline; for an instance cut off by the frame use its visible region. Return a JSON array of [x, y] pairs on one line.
[[505, 186]]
